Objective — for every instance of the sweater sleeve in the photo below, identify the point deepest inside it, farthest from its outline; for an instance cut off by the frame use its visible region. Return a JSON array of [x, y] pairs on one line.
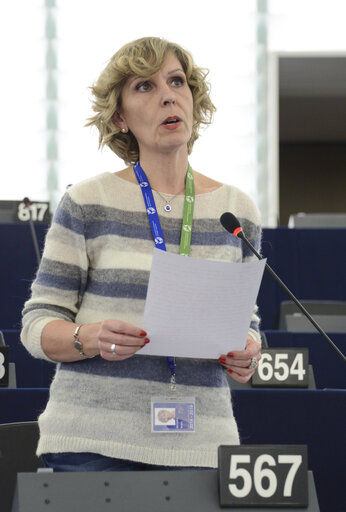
[[58, 288]]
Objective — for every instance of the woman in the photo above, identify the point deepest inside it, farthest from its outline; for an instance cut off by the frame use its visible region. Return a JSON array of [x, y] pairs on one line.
[[88, 298]]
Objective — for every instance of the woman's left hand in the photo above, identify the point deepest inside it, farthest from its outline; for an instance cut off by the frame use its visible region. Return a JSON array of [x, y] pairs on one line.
[[237, 362]]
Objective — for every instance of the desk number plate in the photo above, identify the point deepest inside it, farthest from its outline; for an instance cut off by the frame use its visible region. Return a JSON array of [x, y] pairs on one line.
[[36, 212], [263, 476], [4, 367], [283, 367]]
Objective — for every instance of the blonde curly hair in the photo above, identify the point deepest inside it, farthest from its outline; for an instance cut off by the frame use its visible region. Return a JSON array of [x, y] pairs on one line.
[[143, 57]]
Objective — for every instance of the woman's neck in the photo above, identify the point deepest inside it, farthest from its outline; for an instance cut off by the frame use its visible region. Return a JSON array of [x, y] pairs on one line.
[[166, 173]]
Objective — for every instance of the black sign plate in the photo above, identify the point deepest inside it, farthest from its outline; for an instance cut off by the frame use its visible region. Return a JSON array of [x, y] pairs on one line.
[[263, 476], [19, 211], [4, 365], [283, 367]]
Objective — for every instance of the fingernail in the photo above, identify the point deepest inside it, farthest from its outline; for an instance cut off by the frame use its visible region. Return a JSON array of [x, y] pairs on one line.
[[147, 340], [142, 333], [230, 354], [229, 371], [222, 360]]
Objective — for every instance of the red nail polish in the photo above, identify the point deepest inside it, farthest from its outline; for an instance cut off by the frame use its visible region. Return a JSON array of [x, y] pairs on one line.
[[142, 333], [229, 371], [230, 354], [222, 360], [147, 340]]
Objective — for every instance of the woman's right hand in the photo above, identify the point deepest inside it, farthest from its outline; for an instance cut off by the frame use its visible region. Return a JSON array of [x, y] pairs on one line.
[[120, 340]]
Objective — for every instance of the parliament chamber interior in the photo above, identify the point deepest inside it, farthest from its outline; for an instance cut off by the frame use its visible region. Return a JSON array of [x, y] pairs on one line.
[[310, 262]]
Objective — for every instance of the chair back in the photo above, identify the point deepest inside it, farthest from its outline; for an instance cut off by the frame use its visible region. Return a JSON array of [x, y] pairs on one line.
[[330, 315], [317, 220], [18, 442]]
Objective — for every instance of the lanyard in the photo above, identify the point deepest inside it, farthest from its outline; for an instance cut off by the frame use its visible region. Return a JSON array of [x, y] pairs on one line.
[[189, 203], [186, 228]]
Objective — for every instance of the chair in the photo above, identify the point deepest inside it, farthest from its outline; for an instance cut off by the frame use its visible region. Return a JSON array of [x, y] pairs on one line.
[[18, 442], [317, 220], [330, 315]]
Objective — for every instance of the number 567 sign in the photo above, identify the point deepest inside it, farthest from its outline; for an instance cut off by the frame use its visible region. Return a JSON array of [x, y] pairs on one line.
[[263, 475]]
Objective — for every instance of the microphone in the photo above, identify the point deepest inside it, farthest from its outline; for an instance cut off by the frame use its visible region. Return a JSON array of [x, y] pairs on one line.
[[232, 225]]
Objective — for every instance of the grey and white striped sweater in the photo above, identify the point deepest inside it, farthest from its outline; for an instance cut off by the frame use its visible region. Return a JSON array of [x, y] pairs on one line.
[[95, 266]]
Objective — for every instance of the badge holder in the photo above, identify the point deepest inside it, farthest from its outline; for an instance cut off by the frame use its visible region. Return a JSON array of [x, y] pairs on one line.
[[176, 414]]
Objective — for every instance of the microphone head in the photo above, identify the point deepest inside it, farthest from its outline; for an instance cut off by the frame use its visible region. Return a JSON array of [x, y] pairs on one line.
[[230, 223]]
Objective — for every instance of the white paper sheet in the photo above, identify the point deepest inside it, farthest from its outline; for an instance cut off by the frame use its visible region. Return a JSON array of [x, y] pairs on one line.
[[199, 308]]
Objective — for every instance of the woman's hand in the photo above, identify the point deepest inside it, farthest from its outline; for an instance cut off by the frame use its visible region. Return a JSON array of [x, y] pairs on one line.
[[237, 362], [119, 340]]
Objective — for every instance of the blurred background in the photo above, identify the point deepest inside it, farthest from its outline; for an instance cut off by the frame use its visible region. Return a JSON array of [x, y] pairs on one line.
[[277, 74]]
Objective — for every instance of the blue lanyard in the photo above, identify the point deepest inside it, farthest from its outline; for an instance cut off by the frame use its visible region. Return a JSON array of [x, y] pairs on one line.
[[150, 206], [156, 226]]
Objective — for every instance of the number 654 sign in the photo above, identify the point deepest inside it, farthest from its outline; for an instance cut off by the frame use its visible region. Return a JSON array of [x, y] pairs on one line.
[[283, 367], [263, 475]]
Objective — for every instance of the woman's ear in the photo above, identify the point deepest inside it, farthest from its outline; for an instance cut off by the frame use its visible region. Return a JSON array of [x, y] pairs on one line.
[[120, 122]]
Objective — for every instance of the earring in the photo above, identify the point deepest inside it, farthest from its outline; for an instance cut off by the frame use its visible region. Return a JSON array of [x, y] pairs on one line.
[[123, 130]]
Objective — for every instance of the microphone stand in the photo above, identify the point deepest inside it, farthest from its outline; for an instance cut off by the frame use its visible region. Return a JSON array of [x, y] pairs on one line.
[[241, 235], [34, 240], [27, 203]]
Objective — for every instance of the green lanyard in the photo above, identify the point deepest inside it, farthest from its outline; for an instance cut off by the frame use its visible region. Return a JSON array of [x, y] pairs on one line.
[[189, 203]]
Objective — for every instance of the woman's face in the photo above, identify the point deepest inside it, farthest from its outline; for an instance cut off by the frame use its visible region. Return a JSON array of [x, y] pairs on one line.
[[158, 110], [164, 415]]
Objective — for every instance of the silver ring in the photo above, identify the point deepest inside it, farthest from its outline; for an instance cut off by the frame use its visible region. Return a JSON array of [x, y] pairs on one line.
[[253, 363], [113, 349]]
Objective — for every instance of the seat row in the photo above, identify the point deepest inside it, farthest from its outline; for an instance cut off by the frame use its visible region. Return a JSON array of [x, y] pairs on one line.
[[310, 267]]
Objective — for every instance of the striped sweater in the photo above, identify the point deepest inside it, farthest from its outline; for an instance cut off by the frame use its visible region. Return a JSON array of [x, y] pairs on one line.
[[95, 266]]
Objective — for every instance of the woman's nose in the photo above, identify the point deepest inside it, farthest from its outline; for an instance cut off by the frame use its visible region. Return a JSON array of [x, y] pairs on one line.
[[169, 101], [167, 95]]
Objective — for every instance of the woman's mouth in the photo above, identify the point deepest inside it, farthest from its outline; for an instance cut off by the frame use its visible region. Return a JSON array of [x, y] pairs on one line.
[[171, 123]]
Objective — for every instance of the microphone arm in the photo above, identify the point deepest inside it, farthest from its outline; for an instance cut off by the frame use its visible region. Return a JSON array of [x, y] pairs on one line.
[[239, 233], [27, 203]]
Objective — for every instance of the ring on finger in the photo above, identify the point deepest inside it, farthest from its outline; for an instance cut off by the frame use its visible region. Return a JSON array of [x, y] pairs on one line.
[[113, 349], [253, 363]]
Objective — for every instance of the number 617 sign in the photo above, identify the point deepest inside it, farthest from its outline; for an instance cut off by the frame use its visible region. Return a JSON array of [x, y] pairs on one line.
[[263, 475], [36, 212]]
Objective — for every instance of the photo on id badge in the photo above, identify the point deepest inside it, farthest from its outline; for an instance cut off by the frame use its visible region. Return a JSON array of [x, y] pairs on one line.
[[172, 415]]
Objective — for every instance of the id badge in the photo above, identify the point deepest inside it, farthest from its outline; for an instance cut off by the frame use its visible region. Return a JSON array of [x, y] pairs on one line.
[[175, 415]]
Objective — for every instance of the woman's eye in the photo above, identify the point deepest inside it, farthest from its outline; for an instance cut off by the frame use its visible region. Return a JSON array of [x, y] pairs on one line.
[[177, 81], [143, 86]]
